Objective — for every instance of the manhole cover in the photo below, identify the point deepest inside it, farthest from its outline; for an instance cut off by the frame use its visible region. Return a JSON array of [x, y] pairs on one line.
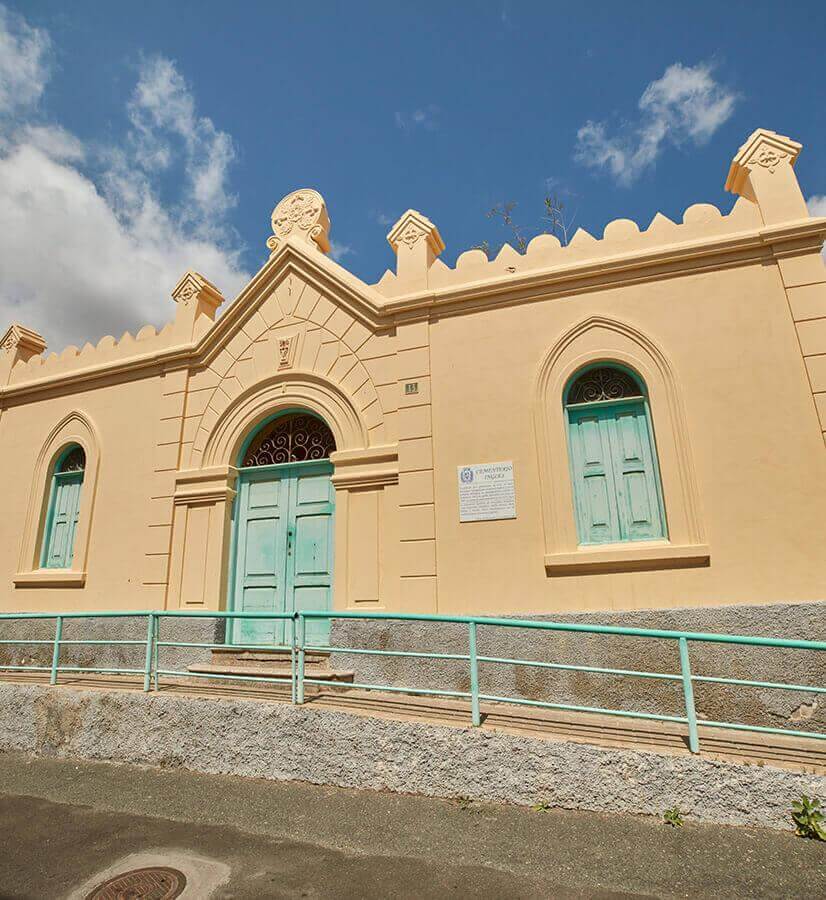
[[151, 883]]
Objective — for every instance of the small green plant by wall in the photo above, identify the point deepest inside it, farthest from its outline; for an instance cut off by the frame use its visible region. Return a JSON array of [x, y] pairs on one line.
[[673, 817], [808, 820]]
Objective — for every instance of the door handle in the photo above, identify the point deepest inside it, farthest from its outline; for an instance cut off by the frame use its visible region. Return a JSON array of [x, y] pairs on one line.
[[289, 541]]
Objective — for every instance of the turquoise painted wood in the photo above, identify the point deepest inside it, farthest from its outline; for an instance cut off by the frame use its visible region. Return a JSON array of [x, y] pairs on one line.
[[61, 524], [617, 492], [283, 549]]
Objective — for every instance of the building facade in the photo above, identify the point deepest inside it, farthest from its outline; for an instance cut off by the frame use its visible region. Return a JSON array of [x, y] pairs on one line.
[[631, 422]]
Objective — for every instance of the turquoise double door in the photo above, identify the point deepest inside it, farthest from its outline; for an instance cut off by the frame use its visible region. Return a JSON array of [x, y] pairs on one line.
[[283, 549]]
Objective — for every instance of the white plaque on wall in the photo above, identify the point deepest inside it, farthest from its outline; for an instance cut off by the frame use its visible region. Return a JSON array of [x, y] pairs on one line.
[[486, 491]]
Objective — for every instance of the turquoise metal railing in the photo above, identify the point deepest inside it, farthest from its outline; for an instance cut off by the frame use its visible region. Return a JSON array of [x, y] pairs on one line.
[[298, 647]]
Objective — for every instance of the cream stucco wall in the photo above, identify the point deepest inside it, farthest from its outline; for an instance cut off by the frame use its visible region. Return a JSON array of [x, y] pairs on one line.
[[724, 317], [753, 430]]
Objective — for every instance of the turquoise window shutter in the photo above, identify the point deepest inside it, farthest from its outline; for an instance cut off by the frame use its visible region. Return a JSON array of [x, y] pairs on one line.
[[617, 491], [64, 510]]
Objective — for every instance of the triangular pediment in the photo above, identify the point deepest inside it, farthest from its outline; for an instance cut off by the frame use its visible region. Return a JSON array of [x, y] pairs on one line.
[[298, 284]]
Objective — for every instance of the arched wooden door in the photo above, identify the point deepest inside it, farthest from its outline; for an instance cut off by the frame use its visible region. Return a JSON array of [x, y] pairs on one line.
[[283, 528]]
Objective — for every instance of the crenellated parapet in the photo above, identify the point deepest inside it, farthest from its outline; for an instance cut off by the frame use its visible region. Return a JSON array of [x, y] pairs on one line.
[[701, 221]]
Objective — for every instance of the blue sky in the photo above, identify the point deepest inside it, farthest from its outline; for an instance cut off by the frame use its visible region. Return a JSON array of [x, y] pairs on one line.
[[139, 140]]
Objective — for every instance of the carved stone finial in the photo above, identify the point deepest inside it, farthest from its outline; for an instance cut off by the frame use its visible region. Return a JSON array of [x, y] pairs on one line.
[[22, 341], [18, 344], [416, 242], [194, 288], [301, 214], [198, 301], [410, 228], [763, 171]]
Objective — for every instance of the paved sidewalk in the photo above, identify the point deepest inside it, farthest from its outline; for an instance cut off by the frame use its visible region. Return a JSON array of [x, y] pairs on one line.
[[67, 826]]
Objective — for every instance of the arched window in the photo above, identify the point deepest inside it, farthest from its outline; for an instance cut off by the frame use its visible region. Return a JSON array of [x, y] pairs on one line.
[[616, 481], [64, 508], [296, 437]]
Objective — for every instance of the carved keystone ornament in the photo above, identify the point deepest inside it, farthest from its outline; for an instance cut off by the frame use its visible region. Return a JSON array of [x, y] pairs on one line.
[[302, 214]]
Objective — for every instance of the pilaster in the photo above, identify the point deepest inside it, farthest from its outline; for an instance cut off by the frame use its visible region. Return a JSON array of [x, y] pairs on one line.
[[417, 507], [763, 171]]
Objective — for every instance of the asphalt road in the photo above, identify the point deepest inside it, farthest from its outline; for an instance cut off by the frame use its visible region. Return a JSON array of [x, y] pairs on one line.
[[66, 827]]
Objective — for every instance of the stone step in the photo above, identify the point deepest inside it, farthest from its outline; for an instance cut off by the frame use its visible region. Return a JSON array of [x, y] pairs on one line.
[[273, 670], [256, 658]]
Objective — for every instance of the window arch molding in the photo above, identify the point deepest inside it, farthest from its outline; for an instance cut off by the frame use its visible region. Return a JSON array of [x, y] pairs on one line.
[[602, 341], [75, 429]]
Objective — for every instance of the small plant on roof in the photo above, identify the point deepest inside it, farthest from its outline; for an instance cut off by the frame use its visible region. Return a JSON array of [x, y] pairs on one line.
[[464, 802], [809, 821], [673, 817], [542, 806]]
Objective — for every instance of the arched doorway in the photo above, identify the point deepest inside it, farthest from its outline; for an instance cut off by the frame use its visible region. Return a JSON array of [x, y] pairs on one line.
[[282, 558]]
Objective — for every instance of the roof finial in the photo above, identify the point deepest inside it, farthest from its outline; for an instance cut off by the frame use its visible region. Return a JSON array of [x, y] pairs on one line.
[[301, 214]]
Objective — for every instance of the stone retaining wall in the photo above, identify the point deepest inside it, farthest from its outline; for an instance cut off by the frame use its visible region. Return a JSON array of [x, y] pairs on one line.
[[322, 746], [754, 706]]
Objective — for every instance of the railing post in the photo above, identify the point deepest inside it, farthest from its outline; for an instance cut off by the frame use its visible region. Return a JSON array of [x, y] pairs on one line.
[[155, 651], [150, 646], [474, 675], [58, 634], [299, 688], [688, 693], [292, 659]]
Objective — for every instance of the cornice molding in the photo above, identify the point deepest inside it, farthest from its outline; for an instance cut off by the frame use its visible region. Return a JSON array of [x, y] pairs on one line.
[[383, 314]]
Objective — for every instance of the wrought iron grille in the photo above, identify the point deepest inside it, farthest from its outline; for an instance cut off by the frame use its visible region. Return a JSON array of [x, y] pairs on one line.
[[293, 438], [605, 383], [74, 461]]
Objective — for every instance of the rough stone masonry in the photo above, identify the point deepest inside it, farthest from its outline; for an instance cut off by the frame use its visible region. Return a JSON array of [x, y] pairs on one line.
[[286, 743]]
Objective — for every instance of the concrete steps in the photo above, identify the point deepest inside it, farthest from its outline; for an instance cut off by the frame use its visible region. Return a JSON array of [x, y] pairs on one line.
[[276, 664]]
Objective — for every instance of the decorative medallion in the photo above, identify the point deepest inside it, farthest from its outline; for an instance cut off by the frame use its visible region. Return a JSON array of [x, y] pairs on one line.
[[187, 292], [150, 883], [292, 438], [411, 235], [769, 158], [9, 343], [605, 383], [301, 214]]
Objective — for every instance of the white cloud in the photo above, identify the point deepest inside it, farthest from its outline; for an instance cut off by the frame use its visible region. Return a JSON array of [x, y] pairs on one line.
[[426, 117], [382, 218], [87, 246], [686, 105], [23, 64], [54, 141], [162, 111], [339, 251], [817, 207]]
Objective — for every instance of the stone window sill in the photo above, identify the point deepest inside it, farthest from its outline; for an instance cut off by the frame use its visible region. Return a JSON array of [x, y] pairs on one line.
[[628, 557], [61, 578]]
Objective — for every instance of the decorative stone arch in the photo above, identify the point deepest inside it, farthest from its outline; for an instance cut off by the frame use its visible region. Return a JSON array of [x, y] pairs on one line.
[[204, 493], [75, 428], [279, 393], [600, 340]]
